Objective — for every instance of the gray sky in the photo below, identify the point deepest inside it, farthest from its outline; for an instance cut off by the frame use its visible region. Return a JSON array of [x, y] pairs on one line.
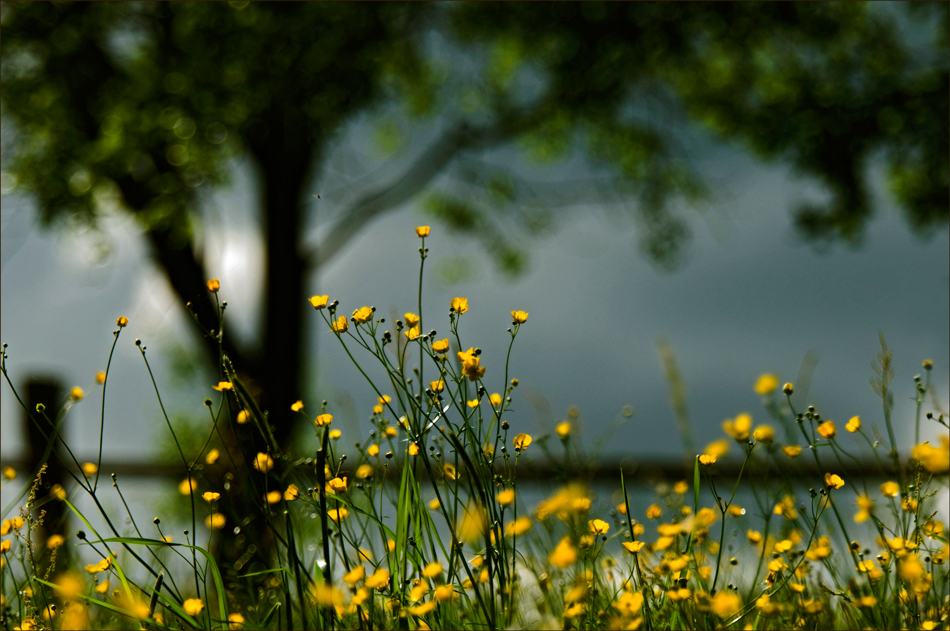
[[750, 299]]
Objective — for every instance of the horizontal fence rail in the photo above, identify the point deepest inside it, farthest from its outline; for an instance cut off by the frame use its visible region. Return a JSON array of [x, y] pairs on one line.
[[636, 470]]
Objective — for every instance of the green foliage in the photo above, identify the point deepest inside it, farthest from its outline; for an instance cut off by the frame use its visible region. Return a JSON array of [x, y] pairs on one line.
[[156, 98], [825, 86]]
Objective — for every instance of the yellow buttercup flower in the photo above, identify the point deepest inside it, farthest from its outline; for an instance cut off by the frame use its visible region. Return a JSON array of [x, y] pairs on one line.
[[853, 425], [717, 448], [411, 319], [210, 496], [441, 346], [337, 485], [101, 566], [76, 394], [58, 492], [378, 579], [521, 442], [292, 493], [9, 473], [319, 302], [355, 575], [506, 497], [934, 459], [564, 554], [242, 417], [432, 570], [865, 508], [55, 541], [412, 333], [193, 606], [633, 546], [437, 386], [563, 430], [653, 511], [213, 285], [263, 462], [187, 486], [764, 434], [363, 315], [435, 504], [323, 419], [754, 537], [272, 497], [786, 508], [598, 526], [90, 468], [340, 325], [495, 399], [792, 451], [445, 593], [216, 521], [223, 385], [422, 231], [739, 427], [766, 384], [470, 364], [833, 481], [890, 489], [473, 403], [212, 456], [827, 429], [122, 321], [101, 377], [519, 317], [449, 471], [372, 451], [519, 526], [337, 514], [69, 586], [778, 565], [473, 524], [423, 609], [459, 305], [726, 604]]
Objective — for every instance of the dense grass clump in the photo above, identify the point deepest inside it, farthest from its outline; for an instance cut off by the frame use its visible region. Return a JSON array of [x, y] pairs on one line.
[[424, 523]]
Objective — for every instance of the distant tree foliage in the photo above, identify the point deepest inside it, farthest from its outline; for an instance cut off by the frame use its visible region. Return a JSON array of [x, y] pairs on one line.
[[143, 104]]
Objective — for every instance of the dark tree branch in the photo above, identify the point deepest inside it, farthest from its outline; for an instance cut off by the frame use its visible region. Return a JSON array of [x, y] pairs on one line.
[[460, 138], [187, 276]]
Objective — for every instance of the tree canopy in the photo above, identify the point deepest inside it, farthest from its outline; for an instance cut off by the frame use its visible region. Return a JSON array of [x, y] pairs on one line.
[[140, 106]]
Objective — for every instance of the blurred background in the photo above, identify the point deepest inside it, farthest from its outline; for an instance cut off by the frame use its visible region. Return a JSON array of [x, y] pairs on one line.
[[756, 188]]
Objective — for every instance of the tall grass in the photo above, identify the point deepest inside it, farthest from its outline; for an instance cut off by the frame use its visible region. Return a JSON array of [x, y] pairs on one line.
[[425, 524]]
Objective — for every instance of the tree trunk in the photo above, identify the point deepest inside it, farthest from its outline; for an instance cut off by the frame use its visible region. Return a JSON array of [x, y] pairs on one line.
[[284, 157]]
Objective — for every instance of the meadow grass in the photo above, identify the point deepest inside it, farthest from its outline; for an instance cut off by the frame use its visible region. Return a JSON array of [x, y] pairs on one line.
[[424, 525]]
